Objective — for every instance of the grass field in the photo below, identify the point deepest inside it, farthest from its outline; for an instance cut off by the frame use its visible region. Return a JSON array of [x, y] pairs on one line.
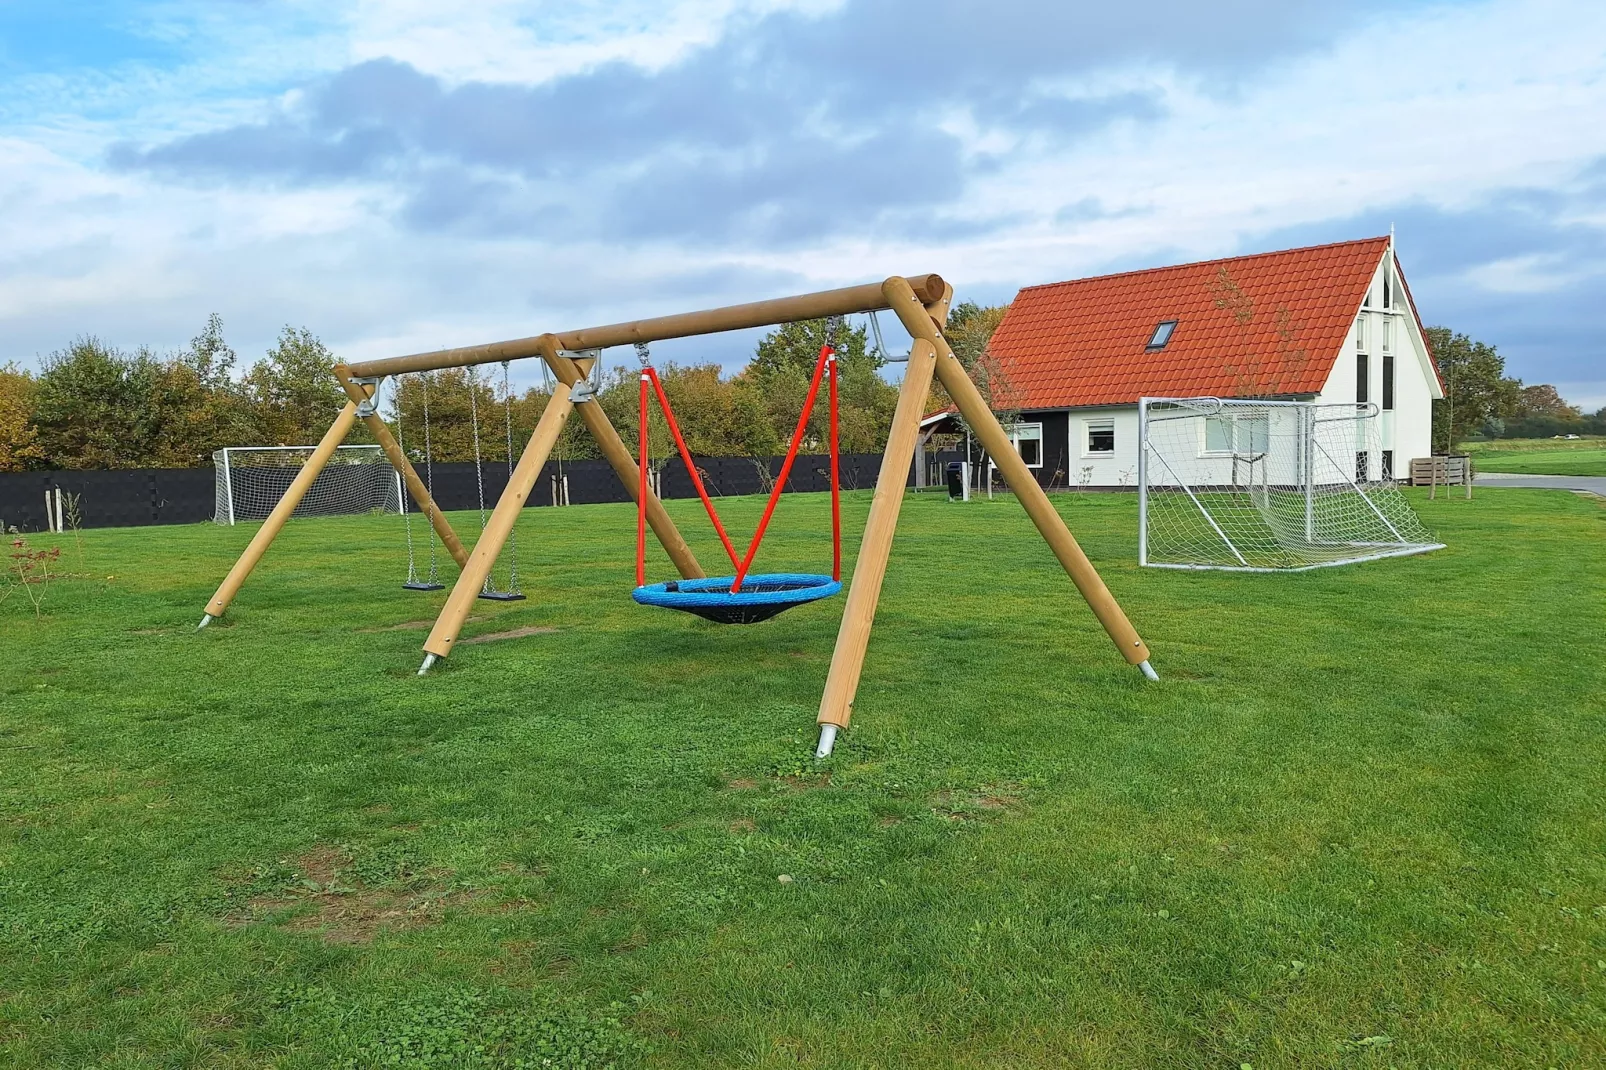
[[1543, 456], [1359, 823]]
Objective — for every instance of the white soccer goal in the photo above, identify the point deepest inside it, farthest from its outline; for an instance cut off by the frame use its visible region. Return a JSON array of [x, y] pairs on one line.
[[252, 479], [1267, 486]]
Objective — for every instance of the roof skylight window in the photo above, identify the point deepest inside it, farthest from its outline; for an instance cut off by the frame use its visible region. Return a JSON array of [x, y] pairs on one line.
[[1162, 335]]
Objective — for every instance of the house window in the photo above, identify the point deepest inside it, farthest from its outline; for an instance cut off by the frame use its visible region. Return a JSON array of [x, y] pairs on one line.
[[1100, 436], [1388, 335], [1388, 465], [1388, 382], [1388, 289], [1362, 379], [1028, 441], [1161, 335], [1237, 434], [1360, 333], [1362, 463]]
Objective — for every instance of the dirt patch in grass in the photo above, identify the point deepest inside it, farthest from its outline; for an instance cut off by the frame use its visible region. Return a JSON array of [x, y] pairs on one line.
[[411, 626], [516, 633], [958, 805], [358, 916], [322, 864], [742, 783], [340, 908], [806, 782], [742, 824]]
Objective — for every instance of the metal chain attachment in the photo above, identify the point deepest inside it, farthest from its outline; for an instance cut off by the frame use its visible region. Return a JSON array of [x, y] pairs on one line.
[[833, 329]]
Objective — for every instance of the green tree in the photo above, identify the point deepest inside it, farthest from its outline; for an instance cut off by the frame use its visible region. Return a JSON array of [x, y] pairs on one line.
[[196, 407], [1544, 400], [455, 397], [93, 406], [19, 437], [779, 375], [292, 392], [1476, 387], [970, 333]]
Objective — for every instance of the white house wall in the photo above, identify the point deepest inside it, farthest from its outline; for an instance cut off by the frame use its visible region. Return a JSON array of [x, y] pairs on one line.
[[1407, 429], [1118, 469]]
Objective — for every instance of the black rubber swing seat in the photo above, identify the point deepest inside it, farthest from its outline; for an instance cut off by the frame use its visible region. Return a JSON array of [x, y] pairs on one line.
[[760, 598]]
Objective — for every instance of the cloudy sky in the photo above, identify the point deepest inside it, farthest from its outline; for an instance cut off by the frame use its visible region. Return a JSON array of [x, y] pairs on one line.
[[401, 175]]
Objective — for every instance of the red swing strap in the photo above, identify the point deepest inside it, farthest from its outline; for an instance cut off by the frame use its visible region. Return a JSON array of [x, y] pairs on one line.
[[826, 361], [827, 358]]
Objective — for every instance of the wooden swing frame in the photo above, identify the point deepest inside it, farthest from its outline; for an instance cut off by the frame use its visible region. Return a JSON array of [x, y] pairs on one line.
[[920, 303]]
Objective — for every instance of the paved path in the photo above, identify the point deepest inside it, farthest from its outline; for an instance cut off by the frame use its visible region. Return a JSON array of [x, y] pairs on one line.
[[1592, 484]]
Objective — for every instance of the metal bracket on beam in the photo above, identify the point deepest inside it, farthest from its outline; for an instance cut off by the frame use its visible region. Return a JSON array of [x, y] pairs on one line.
[[371, 406], [585, 388]]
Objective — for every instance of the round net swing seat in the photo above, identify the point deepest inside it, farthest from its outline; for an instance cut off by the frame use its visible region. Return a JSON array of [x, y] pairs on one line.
[[760, 598]]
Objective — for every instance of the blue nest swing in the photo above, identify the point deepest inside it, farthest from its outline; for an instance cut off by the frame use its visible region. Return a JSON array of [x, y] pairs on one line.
[[742, 598], [760, 598]]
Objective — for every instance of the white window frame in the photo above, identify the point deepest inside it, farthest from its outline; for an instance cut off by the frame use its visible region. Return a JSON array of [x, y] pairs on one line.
[[1386, 330], [1232, 450], [1027, 431], [1360, 332], [1086, 453]]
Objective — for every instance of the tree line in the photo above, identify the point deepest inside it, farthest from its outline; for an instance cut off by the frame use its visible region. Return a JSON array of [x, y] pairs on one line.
[[94, 406], [1481, 401]]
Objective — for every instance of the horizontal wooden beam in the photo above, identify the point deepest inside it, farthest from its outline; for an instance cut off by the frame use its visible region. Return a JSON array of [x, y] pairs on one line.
[[843, 302]]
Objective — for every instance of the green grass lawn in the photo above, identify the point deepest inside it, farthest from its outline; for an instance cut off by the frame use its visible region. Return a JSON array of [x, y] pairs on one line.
[[1578, 457], [1359, 823]]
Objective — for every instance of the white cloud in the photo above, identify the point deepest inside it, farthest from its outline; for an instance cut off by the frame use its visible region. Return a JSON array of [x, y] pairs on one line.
[[522, 42], [1443, 107]]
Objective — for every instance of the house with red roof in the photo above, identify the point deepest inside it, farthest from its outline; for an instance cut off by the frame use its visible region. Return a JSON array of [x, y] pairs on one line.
[[1329, 323]]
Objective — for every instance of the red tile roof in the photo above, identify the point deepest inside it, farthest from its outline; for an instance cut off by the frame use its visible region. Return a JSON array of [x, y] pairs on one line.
[[1247, 326]]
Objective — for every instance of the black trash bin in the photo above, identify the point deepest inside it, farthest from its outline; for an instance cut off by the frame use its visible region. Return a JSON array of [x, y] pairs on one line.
[[956, 480]]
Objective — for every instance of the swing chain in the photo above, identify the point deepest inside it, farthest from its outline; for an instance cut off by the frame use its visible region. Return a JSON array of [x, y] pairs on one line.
[[407, 514], [513, 536], [429, 474], [479, 469], [643, 354]]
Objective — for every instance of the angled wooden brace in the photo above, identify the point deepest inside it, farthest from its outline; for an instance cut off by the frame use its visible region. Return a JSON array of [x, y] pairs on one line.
[[924, 325], [275, 522], [471, 580], [398, 460], [870, 568], [569, 372], [618, 454]]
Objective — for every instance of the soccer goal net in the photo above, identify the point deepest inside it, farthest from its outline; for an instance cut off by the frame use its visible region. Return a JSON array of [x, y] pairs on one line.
[[1268, 485], [251, 480]]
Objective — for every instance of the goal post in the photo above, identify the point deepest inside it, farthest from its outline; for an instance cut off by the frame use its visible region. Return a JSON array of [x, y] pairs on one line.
[[250, 481], [1267, 486]]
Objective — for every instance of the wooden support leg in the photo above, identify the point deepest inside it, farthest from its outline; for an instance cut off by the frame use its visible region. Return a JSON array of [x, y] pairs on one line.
[[996, 441], [852, 639], [624, 465], [275, 523], [472, 579], [398, 460]]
